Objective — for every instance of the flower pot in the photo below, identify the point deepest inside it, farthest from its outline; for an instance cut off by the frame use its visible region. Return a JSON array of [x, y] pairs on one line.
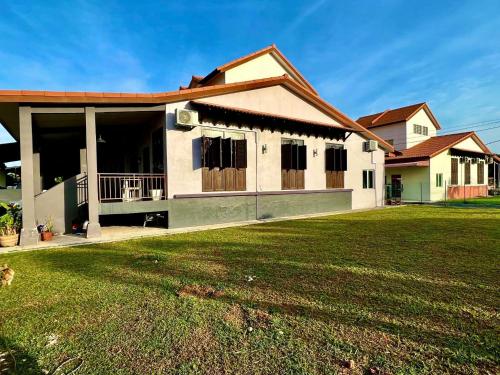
[[11, 240], [47, 236], [156, 194]]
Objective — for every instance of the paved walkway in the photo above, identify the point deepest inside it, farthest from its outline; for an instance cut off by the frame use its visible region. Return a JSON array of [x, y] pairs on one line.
[[122, 233]]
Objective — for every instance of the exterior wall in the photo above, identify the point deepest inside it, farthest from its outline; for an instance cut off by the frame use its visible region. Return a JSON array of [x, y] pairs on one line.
[[415, 182], [397, 132], [264, 66], [469, 145], [274, 99], [60, 203], [420, 118], [264, 169]]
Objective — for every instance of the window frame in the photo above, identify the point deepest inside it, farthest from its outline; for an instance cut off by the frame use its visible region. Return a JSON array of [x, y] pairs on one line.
[[439, 179], [368, 183]]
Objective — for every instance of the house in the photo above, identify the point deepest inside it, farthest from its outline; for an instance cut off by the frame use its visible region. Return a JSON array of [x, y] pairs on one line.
[[252, 139], [427, 167]]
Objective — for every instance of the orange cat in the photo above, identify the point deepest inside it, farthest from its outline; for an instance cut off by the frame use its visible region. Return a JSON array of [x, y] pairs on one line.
[[7, 275]]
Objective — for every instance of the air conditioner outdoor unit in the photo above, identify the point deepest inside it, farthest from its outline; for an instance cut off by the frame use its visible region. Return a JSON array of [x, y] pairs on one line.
[[370, 146], [185, 118]]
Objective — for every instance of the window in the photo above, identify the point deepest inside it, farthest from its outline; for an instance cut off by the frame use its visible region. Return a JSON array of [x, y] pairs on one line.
[[425, 130], [293, 163], [417, 129], [223, 162], [467, 173], [335, 165], [439, 180], [454, 171], [480, 173], [368, 179]]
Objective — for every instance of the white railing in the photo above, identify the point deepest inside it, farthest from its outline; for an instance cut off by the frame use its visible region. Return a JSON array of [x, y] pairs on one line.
[[131, 187]]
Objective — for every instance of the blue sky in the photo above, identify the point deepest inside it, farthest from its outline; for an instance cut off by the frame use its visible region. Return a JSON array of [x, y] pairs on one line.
[[362, 56]]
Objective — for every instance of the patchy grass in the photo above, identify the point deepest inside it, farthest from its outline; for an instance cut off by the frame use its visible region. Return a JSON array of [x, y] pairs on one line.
[[410, 290]]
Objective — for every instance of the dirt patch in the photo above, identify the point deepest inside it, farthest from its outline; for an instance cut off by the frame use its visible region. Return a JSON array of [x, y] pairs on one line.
[[200, 291], [241, 317], [235, 316]]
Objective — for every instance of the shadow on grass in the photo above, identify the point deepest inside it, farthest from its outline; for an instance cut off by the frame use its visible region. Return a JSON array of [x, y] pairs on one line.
[[14, 360], [294, 270]]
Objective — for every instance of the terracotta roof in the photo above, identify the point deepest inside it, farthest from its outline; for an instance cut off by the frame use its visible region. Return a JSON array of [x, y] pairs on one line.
[[270, 115], [241, 60], [391, 116], [434, 146], [23, 96]]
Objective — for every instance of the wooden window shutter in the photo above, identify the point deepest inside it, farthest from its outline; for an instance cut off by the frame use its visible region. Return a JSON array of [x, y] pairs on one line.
[[205, 151], [480, 173], [294, 157], [337, 159], [302, 158], [467, 173], [329, 157], [215, 153], [286, 156], [240, 153], [227, 153], [454, 171], [343, 164]]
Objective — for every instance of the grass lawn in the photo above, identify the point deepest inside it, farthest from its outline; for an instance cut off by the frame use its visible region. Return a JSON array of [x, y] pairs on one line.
[[487, 201], [408, 290]]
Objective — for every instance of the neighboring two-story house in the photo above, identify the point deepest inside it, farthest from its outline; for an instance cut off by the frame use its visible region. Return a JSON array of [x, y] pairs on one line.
[[250, 140], [427, 167]]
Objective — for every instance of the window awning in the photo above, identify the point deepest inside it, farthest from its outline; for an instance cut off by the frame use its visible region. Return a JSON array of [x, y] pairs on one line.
[[264, 120], [420, 163], [467, 153]]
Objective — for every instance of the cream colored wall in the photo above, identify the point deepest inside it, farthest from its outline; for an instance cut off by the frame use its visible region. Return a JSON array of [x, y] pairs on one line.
[[264, 66], [469, 144], [264, 174], [420, 118], [396, 132], [275, 99], [415, 182]]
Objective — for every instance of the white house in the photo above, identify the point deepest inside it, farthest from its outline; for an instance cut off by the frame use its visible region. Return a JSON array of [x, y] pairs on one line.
[[427, 167], [252, 139]]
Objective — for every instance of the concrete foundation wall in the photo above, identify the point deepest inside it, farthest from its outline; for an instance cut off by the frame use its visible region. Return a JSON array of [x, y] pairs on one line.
[[197, 211]]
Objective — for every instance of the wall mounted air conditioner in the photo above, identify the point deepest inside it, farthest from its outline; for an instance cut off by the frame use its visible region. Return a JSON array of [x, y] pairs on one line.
[[370, 146], [185, 118]]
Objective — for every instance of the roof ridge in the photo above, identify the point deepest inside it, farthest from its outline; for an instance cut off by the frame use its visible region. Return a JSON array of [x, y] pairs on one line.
[[379, 116]]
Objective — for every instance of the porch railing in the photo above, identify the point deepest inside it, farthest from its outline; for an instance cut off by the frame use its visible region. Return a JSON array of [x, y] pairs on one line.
[[131, 187], [82, 190]]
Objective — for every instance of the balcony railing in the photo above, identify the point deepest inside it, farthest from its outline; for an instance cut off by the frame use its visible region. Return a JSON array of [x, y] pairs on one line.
[[131, 187]]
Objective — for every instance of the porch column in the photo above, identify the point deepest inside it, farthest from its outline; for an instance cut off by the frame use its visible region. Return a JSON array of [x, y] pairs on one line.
[[94, 228], [29, 234]]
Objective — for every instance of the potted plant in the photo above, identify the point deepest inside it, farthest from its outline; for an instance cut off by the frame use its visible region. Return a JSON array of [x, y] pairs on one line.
[[48, 230], [10, 224]]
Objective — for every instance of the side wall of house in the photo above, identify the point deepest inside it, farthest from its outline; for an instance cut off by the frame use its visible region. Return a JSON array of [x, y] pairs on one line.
[[415, 181], [263, 175], [395, 132], [420, 118]]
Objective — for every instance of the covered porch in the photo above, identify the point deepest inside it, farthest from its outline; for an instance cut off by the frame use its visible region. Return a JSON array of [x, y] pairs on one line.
[[75, 159]]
